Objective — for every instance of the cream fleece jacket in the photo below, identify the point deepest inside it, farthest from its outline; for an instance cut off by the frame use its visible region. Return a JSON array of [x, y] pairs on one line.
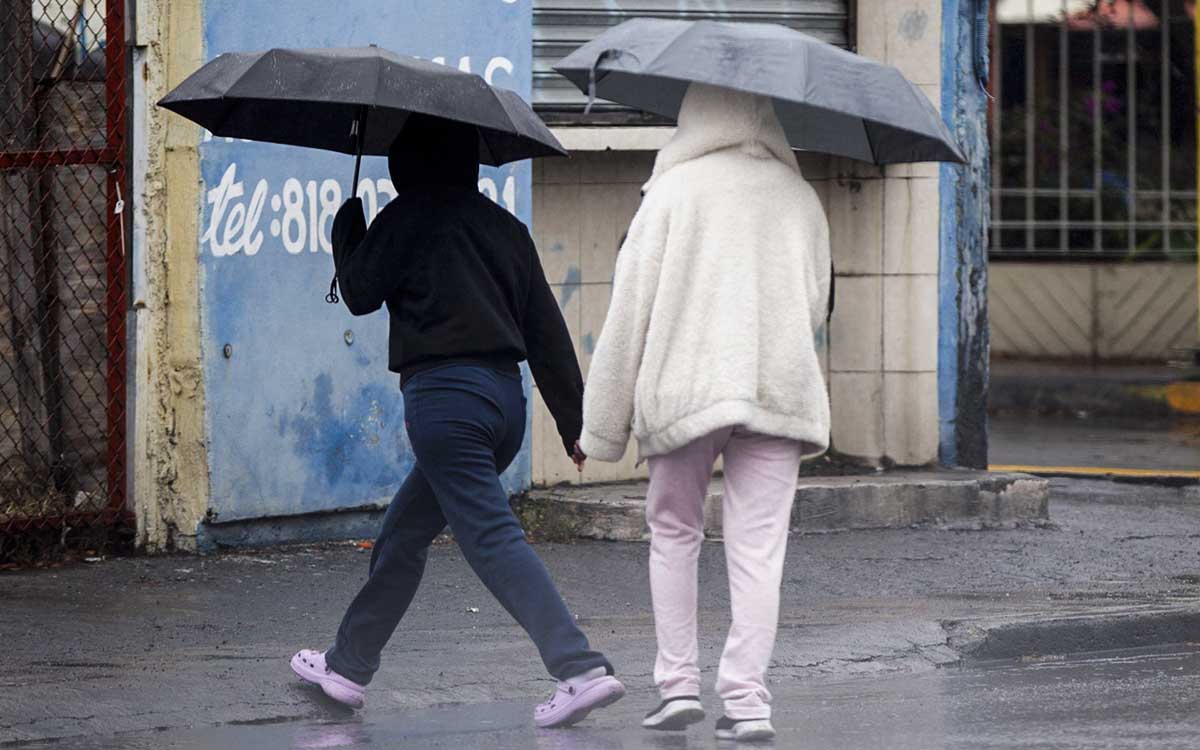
[[720, 286]]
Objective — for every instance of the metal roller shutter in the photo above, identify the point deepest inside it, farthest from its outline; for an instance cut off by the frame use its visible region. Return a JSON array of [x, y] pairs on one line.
[[559, 26]]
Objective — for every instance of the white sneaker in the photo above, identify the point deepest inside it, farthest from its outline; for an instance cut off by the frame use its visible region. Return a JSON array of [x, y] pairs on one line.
[[745, 730], [674, 714]]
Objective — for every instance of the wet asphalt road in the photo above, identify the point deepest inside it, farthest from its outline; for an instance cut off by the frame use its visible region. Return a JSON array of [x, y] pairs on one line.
[[124, 646], [1136, 700]]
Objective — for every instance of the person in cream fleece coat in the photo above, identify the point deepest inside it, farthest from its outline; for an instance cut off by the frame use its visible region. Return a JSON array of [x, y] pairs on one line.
[[709, 350]]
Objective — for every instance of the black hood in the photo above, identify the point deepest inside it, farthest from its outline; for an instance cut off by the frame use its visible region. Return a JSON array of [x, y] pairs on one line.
[[434, 151]]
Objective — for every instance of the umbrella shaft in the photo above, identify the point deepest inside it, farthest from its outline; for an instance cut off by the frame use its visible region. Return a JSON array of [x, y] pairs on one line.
[[360, 136], [354, 185]]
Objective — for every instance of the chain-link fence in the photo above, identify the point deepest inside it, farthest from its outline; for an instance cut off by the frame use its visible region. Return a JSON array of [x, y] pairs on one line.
[[62, 268]]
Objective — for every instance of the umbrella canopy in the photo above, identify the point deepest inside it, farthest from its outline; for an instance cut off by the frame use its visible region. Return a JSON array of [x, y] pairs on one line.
[[829, 100], [353, 100]]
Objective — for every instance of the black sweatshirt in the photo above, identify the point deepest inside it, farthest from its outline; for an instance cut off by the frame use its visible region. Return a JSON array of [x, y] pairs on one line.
[[459, 274]]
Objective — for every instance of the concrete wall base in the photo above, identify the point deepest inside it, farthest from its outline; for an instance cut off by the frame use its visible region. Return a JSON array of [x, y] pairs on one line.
[[306, 529], [617, 511]]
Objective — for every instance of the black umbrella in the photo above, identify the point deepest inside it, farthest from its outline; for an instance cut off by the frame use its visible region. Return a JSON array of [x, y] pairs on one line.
[[353, 100], [827, 99]]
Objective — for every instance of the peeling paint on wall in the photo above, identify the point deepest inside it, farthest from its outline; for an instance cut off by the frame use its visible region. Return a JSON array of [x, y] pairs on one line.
[[913, 25], [170, 472], [963, 326], [570, 285]]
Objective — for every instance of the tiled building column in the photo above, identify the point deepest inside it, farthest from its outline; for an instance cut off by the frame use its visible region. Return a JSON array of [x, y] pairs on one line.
[[581, 209], [884, 230], [881, 348]]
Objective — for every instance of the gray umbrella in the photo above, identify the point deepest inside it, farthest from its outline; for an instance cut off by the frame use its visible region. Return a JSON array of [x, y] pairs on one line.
[[353, 100], [829, 100]]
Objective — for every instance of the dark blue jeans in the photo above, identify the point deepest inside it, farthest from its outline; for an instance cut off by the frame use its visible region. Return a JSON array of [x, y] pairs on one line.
[[466, 425]]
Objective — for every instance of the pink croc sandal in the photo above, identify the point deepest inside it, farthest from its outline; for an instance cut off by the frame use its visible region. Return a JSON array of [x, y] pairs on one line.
[[571, 703], [310, 666]]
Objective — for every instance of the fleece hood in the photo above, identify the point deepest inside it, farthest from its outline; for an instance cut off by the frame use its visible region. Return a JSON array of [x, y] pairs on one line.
[[434, 151], [712, 118]]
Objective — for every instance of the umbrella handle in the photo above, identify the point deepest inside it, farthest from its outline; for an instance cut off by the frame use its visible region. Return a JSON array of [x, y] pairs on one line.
[[607, 54], [591, 88]]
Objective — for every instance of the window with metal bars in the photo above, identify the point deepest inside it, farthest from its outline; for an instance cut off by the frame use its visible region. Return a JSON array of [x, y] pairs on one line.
[[1093, 130]]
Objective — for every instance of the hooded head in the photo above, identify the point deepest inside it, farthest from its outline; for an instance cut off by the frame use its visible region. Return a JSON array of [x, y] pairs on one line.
[[712, 118], [434, 151]]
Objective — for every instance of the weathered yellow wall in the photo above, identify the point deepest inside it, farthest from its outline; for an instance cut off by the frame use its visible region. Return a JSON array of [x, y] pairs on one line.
[[169, 455]]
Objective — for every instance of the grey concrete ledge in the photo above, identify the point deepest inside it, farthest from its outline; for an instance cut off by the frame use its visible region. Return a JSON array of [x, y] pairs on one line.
[[1109, 629], [361, 523], [616, 512], [891, 500]]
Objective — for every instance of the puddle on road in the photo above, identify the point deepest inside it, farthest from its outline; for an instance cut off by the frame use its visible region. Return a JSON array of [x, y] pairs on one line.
[[1146, 700]]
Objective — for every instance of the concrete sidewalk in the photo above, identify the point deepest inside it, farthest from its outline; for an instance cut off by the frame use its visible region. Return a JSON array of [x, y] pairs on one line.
[[949, 499], [134, 644]]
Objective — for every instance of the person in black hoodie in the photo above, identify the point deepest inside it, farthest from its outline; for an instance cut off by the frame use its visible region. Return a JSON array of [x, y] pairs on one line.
[[467, 300]]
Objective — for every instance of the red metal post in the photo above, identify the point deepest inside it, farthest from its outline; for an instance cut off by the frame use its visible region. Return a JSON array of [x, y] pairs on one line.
[[71, 159], [116, 101]]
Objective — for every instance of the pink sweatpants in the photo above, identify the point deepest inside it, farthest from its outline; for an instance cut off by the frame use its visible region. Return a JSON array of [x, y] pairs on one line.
[[760, 485]]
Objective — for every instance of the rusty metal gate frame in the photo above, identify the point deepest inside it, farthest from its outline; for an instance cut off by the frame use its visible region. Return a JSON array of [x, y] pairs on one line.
[[112, 156]]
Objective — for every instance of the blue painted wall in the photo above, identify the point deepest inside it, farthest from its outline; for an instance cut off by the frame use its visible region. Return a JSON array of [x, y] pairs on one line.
[[302, 413], [965, 213]]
